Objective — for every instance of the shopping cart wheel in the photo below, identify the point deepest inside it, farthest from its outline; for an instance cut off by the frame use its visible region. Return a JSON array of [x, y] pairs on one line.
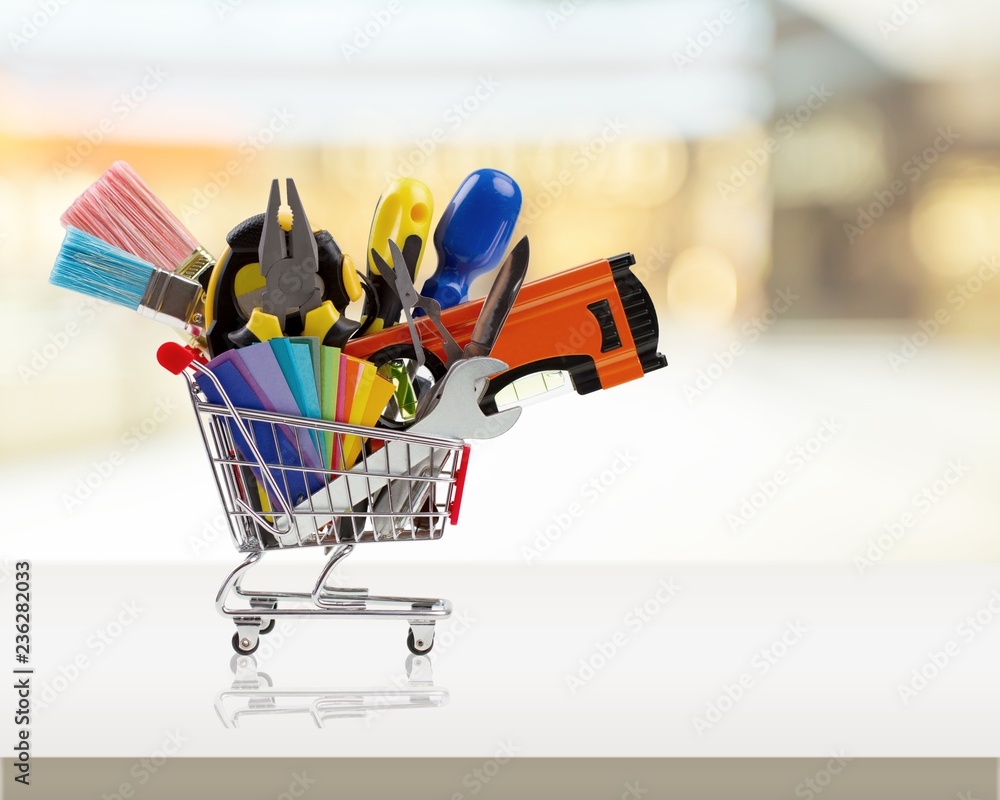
[[269, 627], [239, 648], [422, 642]]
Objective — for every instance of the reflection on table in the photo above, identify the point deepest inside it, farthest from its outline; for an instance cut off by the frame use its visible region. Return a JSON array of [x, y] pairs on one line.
[[253, 694]]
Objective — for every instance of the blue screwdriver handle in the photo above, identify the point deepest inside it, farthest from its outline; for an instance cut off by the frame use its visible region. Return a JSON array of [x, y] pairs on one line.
[[472, 237]]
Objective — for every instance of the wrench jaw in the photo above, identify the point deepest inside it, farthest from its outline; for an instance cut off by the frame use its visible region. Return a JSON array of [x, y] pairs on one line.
[[494, 425], [455, 413], [452, 409]]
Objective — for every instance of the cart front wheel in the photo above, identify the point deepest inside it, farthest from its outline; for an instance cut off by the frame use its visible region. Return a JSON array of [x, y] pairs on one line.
[[420, 645], [239, 648], [268, 628]]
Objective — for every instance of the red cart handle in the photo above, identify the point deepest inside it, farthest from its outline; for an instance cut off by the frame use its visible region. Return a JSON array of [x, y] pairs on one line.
[[176, 358]]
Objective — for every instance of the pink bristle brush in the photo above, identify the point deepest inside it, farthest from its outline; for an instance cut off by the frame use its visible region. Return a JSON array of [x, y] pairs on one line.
[[122, 210]]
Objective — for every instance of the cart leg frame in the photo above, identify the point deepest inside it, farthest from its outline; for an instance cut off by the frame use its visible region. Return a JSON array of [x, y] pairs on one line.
[[256, 611]]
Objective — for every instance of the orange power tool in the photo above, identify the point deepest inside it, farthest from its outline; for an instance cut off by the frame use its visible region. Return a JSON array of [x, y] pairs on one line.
[[596, 322]]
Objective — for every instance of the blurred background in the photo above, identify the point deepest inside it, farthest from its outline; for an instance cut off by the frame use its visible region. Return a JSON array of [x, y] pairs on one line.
[[811, 189]]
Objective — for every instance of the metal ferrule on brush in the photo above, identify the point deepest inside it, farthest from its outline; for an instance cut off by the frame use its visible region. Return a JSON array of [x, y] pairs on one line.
[[197, 263], [175, 301]]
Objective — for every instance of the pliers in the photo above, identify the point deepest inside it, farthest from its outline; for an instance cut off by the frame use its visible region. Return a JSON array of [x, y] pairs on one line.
[[289, 264]]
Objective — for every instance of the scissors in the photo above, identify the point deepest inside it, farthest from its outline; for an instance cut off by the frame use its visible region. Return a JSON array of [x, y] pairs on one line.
[[399, 276]]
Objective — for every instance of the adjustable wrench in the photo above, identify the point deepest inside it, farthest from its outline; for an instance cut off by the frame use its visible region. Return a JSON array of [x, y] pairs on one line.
[[456, 414]]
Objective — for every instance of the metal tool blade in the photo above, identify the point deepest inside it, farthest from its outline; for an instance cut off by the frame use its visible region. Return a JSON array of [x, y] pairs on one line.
[[499, 301], [404, 284], [430, 306], [407, 294], [272, 238], [301, 240]]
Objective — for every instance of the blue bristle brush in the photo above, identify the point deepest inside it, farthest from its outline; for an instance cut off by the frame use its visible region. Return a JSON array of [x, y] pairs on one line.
[[91, 266]]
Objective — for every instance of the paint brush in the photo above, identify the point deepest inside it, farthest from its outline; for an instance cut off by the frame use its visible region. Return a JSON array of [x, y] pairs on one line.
[[123, 211], [91, 266]]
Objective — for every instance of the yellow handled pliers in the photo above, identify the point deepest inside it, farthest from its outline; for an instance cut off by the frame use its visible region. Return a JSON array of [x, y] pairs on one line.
[[289, 264]]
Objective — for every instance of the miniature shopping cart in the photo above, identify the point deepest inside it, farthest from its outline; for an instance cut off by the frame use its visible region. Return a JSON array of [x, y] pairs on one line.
[[405, 487]]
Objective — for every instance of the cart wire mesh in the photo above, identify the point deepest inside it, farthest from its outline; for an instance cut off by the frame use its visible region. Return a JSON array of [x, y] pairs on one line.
[[290, 481]]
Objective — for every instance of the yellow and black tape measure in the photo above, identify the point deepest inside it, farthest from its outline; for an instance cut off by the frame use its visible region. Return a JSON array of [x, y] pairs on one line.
[[236, 287]]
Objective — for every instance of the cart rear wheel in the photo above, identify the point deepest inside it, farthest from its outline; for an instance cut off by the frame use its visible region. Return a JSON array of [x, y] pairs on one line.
[[237, 646], [269, 627], [420, 646]]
